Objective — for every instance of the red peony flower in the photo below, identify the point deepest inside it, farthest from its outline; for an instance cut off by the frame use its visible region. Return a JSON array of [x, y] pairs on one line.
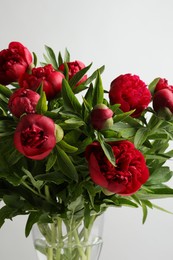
[[131, 93], [101, 117], [35, 136], [14, 61], [163, 102], [128, 175], [161, 84], [23, 101], [74, 67], [47, 76]]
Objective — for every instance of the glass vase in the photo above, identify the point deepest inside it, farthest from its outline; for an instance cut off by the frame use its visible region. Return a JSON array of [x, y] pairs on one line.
[[69, 239]]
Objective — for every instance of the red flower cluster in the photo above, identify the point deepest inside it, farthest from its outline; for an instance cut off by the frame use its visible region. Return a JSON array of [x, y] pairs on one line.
[[131, 93], [128, 175], [35, 135], [50, 79]]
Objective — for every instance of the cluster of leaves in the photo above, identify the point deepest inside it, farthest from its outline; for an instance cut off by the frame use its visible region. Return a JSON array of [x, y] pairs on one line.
[[60, 184]]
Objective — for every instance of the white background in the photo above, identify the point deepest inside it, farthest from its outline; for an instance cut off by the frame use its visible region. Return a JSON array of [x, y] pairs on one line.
[[127, 36]]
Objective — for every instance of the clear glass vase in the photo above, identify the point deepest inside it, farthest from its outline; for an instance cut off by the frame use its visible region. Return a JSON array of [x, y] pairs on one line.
[[69, 239]]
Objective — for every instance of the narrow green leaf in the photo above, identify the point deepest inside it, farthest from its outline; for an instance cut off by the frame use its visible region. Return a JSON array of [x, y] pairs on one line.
[[55, 177], [71, 103], [140, 137], [153, 84], [162, 174], [32, 219], [5, 91], [41, 107], [89, 95], [35, 59], [66, 165], [67, 147], [145, 212], [94, 75], [162, 209], [76, 78], [60, 59], [107, 151], [98, 91], [51, 161], [66, 56], [51, 56]]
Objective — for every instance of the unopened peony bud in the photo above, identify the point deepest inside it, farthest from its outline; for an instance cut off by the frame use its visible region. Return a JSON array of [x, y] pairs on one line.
[[163, 103], [101, 117]]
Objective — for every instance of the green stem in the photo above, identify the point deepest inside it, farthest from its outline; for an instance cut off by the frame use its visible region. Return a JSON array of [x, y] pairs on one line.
[[78, 243]]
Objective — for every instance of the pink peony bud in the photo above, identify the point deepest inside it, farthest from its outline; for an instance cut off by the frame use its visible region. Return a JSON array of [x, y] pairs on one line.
[[163, 103], [23, 101], [101, 117]]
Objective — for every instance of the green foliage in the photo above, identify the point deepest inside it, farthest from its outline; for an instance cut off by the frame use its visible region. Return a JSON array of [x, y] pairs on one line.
[[60, 184]]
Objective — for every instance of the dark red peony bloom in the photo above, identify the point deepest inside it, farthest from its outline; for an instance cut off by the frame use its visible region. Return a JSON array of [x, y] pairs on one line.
[[163, 102], [128, 175], [14, 61], [101, 117], [161, 84], [35, 136], [23, 101], [74, 67], [47, 76], [131, 93]]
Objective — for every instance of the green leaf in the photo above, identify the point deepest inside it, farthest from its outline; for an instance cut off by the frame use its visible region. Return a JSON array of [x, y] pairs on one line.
[[89, 95], [6, 213], [32, 219], [122, 116], [35, 183], [160, 175], [67, 147], [98, 91], [5, 91], [145, 212], [71, 103], [51, 161], [140, 137], [60, 59], [94, 75], [79, 75], [35, 59], [66, 56], [41, 107], [55, 177], [107, 151], [52, 57], [66, 165], [153, 84]]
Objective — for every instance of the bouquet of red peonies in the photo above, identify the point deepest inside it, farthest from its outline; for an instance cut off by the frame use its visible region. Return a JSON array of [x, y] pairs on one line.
[[62, 158]]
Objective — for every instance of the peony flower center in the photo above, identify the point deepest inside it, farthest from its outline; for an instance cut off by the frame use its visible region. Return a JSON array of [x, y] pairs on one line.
[[33, 136]]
